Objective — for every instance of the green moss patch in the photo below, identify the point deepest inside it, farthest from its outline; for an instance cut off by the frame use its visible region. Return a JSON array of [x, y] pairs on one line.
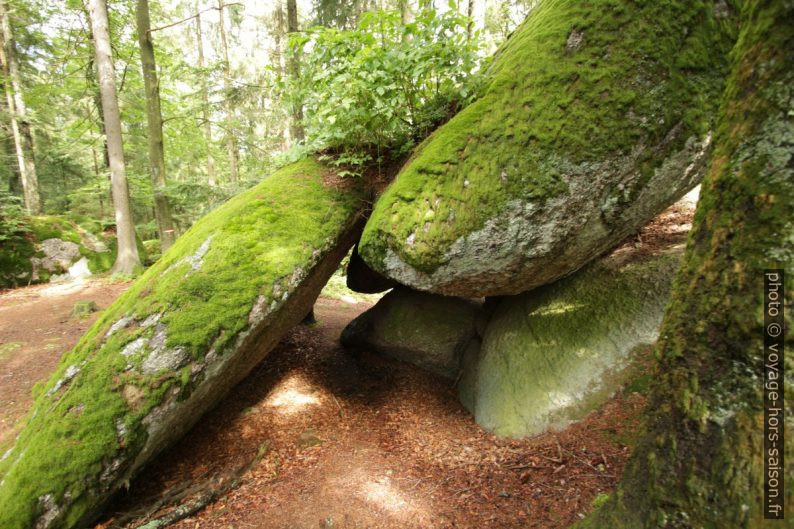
[[87, 426], [578, 82]]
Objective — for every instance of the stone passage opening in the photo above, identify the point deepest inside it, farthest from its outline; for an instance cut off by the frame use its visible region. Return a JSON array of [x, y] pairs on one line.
[[355, 420], [355, 439]]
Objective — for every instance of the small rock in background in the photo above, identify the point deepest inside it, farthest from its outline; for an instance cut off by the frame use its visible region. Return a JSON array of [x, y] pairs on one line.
[[82, 309]]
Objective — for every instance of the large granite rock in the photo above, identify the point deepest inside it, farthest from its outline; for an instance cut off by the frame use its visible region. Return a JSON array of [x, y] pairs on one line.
[[595, 117], [172, 345], [551, 355], [427, 330]]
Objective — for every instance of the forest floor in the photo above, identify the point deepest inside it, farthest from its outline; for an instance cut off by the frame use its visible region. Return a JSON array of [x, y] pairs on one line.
[[358, 441], [330, 438], [36, 328]]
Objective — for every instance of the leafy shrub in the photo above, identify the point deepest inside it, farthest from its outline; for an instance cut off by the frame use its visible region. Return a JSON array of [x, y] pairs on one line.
[[16, 247], [384, 86]]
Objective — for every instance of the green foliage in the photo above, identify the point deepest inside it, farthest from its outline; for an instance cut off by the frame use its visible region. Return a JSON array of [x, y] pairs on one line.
[[16, 247], [384, 86], [13, 221]]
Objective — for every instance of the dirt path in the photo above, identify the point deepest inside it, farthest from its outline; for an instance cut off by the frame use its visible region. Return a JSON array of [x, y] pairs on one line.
[[362, 442], [36, 328], [353, 441]]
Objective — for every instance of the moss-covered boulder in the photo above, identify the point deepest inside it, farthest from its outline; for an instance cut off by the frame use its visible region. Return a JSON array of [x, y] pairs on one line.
[[170, 347], [427, 330], [595, 117], [51, 247], [551, 355]]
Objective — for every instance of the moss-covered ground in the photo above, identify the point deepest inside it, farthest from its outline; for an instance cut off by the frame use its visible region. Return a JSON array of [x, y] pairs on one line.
[[204, 288], [17, 250]]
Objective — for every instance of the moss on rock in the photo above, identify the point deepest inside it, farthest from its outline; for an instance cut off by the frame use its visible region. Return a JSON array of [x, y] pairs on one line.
[[187, 330], [23, 261], [700, 463], [597, 116], [551, 355]]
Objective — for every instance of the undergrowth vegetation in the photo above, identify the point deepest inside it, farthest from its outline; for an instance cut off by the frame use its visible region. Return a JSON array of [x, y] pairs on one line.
[[374, 92]]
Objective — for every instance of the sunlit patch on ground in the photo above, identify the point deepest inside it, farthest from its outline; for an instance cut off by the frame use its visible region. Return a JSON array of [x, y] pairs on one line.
[[292, 395], [382, 493]]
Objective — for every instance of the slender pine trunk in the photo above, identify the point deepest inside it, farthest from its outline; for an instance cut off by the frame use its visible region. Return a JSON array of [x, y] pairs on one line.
[[279, 38], [231, 142], [205, 99], [20, 126], [127, 258], [154, 120], [9, 148], [296, 123]]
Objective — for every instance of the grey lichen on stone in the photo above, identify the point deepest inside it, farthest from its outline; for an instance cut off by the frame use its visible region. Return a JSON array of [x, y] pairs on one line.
[[134, 347], [49, 509], [162, 357], [67, 377], [122, 323], [195, 260], [150, 320]]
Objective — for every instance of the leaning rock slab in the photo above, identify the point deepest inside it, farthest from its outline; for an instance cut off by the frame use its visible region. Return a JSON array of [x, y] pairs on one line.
[[172, 345], [427, 330], [551, 355], [595, 117]]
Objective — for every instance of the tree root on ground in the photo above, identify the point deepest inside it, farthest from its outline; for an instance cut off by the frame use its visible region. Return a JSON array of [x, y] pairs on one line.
[[201, 495]]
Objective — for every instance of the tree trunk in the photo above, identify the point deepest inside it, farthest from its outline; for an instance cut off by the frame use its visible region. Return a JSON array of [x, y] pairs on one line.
[[21, 129], [279, 38], [205, 98], [154, 119], [470, 23], [701, 461], [127, 258], [406, 14], [93, 83], [296, 124], [231, 142], [8, 145]]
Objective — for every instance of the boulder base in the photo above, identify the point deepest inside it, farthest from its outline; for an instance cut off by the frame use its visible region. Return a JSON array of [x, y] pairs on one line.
[[550, 356], [427, 330]]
